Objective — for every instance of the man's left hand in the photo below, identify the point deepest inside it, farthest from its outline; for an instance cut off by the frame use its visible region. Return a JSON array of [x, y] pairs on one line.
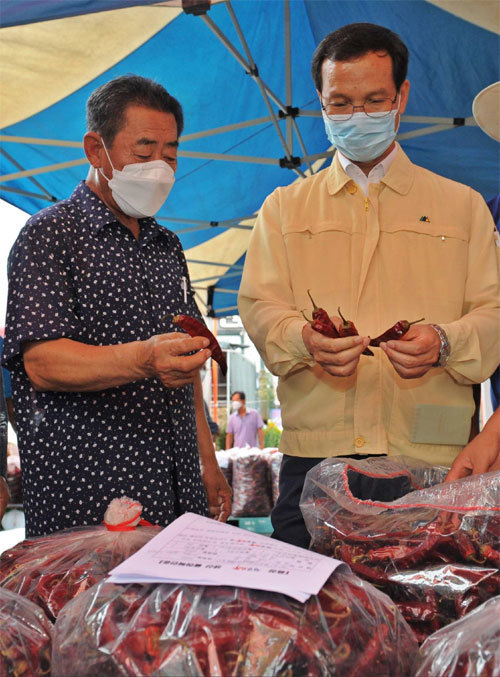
[[415, 352], [218, 492]]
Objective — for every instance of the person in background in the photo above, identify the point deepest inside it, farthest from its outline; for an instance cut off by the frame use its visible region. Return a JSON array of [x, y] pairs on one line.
[[245, 425], [107, 395], [386, 241]]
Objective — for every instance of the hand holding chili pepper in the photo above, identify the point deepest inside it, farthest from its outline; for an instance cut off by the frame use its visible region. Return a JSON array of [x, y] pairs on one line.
[[165, 357], [393, 333], [347, 328], [338, 357], [196, 328], [415, 352]]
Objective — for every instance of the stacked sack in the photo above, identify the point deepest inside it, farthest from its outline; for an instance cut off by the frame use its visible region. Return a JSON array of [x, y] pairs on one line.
[[52, 570], [25, 637], [433, 548], [253, 476], [141, 630]]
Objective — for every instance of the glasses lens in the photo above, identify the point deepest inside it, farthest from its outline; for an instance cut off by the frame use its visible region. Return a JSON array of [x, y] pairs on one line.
[[378, 108]]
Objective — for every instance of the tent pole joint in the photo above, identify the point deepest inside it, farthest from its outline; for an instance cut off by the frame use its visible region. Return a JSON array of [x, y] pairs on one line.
[[196, 7], [290, 162], [290, 111]]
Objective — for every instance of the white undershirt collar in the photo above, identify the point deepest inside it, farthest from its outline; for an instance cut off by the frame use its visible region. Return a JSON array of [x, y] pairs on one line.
[[376, 173]]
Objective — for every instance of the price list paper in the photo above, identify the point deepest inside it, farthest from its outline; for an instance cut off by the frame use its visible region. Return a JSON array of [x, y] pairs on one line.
[[201, 551]]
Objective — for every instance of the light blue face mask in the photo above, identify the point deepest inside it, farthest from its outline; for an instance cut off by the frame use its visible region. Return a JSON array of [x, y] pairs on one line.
[[361, 138]]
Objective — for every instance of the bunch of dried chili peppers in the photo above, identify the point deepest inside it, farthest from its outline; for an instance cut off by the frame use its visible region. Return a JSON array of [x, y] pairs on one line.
[[469, 646], [188, 630], [25, 637], [434, 551], [51, 570], [322, 323]]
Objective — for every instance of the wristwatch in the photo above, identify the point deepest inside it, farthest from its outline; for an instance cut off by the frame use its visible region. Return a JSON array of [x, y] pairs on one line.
[[444, 349]]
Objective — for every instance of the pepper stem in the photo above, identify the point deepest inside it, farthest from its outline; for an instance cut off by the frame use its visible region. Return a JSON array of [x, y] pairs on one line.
[[315, 307], [305, 318], [415, 321], [341, 316]]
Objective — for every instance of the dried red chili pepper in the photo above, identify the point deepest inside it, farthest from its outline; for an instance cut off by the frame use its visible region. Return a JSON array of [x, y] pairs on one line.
[[321, 321], [374, 646], [347, 328], [491, 554], [394, 333], [196, 328], [323, 328]]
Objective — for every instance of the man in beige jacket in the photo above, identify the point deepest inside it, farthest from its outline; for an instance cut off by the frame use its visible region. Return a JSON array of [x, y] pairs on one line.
[[385, 240]]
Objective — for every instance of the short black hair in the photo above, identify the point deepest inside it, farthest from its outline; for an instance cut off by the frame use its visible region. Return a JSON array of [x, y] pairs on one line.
[[107, 105], [241, 395], [354, 40]]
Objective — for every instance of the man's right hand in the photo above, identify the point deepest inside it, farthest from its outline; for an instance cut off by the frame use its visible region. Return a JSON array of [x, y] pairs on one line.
[[165, 357], [338, 356]]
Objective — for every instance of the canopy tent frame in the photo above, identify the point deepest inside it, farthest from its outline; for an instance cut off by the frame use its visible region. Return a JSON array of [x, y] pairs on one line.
[[290, 139]]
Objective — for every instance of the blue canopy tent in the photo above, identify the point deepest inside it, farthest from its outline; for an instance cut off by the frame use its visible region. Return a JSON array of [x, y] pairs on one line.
[[252, 118]]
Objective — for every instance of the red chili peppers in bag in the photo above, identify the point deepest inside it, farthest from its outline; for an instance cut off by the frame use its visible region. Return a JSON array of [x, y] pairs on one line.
[[196, 328], [394, 333]]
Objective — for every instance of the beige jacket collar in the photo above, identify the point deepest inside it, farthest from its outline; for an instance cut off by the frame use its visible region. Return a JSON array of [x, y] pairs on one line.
[[399, 177]]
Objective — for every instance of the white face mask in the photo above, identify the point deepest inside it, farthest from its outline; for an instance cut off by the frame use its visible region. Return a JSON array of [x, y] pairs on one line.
[[236, 405], [141, 188]]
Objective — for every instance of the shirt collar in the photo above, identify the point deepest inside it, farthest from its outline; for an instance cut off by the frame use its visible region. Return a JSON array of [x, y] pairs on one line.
[[399, 175], [376, 173], [98, 215]]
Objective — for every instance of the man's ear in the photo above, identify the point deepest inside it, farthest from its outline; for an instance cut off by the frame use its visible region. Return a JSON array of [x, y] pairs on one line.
[[404, 91], [92, 145]]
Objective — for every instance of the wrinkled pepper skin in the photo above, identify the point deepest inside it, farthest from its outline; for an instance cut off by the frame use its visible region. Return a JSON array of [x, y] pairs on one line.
[[394, 333], [194, 327]]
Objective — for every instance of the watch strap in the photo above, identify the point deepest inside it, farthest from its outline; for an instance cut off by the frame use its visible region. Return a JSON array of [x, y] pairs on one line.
[[444, 349]]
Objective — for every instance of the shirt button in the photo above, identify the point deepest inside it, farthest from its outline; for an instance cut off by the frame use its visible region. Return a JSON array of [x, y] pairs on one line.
[[352, 188], [359, 442]]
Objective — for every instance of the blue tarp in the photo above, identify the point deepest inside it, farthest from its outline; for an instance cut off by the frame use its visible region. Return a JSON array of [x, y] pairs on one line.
[[451, 61]]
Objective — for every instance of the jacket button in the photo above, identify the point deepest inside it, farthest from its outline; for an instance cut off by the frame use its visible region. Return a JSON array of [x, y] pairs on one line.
[[352, 188], [359, 442]]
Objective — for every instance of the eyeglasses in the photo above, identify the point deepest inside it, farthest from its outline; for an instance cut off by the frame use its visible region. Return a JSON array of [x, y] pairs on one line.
[[375, 107]]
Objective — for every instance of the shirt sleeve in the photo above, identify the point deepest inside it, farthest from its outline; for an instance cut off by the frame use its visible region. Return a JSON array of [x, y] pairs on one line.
[[260, 422], [266, 301], [41, 303], [475, 337]]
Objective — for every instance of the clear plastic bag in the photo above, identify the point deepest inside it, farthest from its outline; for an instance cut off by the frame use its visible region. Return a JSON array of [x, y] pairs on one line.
[[51, 570], [433, 548], [252, 494], [466, 648], [350, 627], [25, 637], [275, 463]]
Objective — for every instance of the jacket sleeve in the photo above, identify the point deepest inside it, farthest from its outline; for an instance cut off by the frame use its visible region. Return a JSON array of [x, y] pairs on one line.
[[475, 337], [266, 301]]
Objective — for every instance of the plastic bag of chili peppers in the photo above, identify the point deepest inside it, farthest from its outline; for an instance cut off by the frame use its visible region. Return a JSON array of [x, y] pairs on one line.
[[348, 628], [275, 463], [432, 547], [467, 647], [51, 570], [25, 637], [252, 493]]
